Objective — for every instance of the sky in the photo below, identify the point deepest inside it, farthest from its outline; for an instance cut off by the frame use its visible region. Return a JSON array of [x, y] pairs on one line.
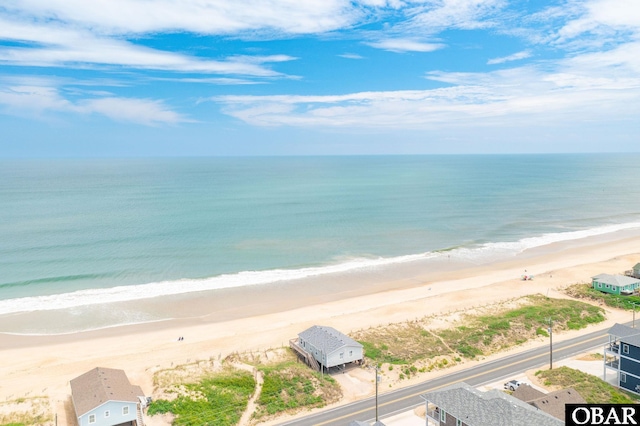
[[148, 78]]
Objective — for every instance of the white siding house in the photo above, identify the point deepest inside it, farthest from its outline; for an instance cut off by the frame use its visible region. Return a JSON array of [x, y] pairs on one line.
[[330, 347], [104, 397]]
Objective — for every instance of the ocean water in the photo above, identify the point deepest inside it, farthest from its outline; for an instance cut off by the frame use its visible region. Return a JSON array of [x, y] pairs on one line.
[[75, 233]]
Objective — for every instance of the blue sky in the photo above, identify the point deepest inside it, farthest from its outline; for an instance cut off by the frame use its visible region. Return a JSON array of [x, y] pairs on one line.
[[120, 78]]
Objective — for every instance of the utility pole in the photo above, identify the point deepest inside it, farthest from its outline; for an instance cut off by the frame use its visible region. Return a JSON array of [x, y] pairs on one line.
[[377, 380], [550, 343]]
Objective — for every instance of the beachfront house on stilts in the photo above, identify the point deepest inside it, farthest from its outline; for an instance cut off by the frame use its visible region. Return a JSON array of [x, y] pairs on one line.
[[105, 397], [325, 347]]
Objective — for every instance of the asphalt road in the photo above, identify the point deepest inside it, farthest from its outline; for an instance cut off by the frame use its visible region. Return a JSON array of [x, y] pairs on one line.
[[409, 397]]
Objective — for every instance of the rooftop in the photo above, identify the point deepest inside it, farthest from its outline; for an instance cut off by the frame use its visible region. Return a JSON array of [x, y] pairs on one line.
[[327, 338], [618, 280], [101, 385], [626, 334], [491, 408]]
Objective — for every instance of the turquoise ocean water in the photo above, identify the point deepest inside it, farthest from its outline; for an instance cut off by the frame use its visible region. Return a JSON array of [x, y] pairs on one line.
[[81, 232]]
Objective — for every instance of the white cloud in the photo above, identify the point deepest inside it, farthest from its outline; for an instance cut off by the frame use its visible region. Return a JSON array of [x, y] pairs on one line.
[[405, 45], [197, 16], [36, 99], [574, 90], [598, 22], [421, 20], [66, 47], [515, 57], [141, 111], [433, 16], [351, 56], [44, 100], [222, 81]]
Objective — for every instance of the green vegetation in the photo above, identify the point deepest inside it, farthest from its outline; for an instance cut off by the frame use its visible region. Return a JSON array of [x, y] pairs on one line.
[[485, 334], [475, 335], [215, 400], [592, 389], [585, 291], [400, 344], [26, 411], [199, 393], [289, 385]]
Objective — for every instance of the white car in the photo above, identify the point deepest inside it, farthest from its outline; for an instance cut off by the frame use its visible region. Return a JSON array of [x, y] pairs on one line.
[[513, 385]]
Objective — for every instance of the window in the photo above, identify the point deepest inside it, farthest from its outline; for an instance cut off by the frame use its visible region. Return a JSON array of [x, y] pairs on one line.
[[341, 355], [92, 418], [458, 422], [125, 410], [443, 416], [625, 348], [623, 378], [606, 285], [107, 413], [350, 353]]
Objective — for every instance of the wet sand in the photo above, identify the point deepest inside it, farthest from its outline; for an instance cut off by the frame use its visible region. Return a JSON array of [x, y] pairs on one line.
[[217, 323]]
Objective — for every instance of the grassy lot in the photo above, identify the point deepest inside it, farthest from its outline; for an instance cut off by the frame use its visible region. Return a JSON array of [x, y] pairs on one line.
[[217, 399], [26, 411], [473, 335], [289, 386], [592, 389], [585, 291], [201, 394]]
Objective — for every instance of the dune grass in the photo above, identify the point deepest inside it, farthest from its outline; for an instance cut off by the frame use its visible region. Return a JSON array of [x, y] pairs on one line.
[[476, 335], [213, 400], [289, 386], [593, 389]]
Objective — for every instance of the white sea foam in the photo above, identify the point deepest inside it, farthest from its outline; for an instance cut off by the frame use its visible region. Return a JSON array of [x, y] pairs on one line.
[[491, 251], [486, 252]]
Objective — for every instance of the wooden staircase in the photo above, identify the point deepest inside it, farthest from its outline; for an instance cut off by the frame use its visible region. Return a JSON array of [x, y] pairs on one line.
[[306, 356], [139, 419]]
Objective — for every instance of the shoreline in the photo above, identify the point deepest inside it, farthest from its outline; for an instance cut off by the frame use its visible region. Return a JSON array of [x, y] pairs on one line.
[[120, 305], [44, 364], [238, 302]]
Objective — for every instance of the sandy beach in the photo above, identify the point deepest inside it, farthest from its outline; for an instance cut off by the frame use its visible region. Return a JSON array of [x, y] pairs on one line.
[[254, 319]]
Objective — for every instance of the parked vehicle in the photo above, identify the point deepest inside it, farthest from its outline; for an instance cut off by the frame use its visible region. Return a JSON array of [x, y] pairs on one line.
[[513, 385]]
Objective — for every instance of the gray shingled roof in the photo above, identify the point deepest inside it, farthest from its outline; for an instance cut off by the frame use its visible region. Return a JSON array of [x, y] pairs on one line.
[[327, 338], [492, 408], [101, 385], [618, 280], [626, 334]]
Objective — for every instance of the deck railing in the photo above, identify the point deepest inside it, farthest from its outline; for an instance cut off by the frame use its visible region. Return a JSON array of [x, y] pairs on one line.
[[613, 347], [308, 358], [613, 363]]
